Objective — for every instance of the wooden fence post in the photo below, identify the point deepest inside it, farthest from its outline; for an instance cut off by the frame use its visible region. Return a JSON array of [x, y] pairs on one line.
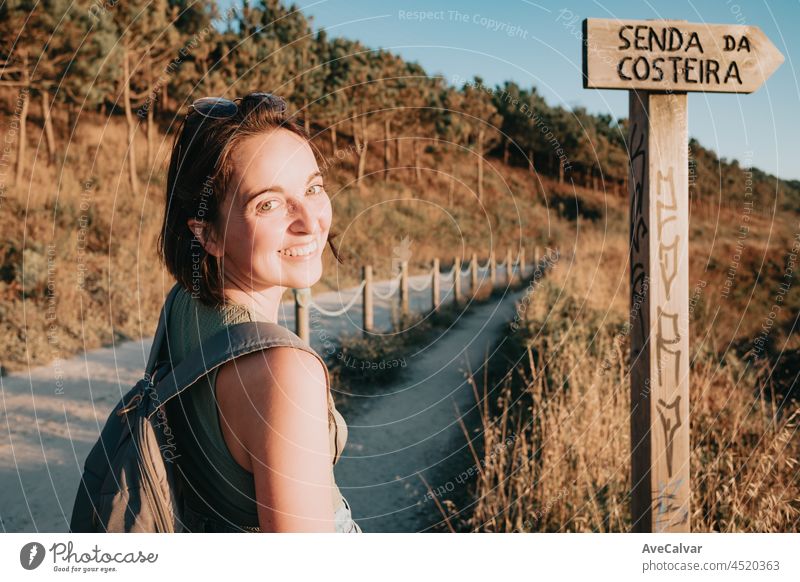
[[435, 286], [509, 268], [367, 299], [473, 271], [302, 300], [492, 270], [404, 287], [457, 280], [522, 263]]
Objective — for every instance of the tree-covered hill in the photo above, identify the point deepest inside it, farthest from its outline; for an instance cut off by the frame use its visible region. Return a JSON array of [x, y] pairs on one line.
[[147, 59]]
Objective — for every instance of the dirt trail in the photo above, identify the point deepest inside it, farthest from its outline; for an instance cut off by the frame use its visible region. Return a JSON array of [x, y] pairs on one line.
[[410, 427]]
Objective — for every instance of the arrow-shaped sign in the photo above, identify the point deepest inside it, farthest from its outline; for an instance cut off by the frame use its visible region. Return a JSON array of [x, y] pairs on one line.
[[670, 55]]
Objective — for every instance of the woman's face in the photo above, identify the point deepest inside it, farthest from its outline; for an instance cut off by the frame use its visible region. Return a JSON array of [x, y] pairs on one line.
[[276, 202]]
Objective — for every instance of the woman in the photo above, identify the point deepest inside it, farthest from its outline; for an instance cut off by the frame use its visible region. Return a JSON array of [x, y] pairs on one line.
[[247, 217]]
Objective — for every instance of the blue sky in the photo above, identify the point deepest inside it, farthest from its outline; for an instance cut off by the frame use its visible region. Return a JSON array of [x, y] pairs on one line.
[[539, 43]]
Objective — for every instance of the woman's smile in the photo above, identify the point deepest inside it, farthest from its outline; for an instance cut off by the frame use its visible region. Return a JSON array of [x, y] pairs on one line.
[[300, 252]]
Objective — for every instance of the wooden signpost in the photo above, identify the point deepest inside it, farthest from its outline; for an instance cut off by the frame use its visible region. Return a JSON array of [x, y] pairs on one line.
[[658, 61]]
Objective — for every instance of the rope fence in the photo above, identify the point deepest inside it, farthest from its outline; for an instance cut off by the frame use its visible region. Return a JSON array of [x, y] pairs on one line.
[[392, 291], [449, 273], [401, 283], [344, 309], [427, 284]]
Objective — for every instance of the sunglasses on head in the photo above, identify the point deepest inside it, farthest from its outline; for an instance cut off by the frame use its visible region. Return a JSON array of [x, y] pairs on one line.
[[222, 108]]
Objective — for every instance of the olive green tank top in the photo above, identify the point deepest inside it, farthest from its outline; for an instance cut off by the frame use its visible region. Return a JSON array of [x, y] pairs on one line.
[[215, 484]]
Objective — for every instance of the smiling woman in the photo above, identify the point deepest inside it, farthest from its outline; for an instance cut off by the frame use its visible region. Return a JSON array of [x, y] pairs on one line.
[[247, 217], [277, 207]]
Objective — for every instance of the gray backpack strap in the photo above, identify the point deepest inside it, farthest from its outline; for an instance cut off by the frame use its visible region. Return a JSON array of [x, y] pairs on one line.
[[161, 332], [224, 346]]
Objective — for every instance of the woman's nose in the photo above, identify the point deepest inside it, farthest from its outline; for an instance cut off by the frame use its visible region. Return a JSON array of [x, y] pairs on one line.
[[303, 213]]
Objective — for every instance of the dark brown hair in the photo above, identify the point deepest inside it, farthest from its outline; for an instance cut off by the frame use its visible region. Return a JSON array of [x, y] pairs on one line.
[[199, 174]]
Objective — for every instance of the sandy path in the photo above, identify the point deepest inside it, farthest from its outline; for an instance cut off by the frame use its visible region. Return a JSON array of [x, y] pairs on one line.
[[410, 426]]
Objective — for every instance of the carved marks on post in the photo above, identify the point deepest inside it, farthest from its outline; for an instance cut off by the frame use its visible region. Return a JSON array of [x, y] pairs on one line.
[[670, 416], [668, 353], [668, 332], [666, 213], [639, 162], [668, 328], [667, 512], [638, 232]]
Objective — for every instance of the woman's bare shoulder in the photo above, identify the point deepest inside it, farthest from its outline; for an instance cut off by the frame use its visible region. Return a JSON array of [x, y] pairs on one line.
[[281, 380], [257, 393], [259, 373]]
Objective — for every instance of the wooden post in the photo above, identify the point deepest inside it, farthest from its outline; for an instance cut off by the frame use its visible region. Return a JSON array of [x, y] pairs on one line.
[[509, 268], [367, 300], [659, 230], [302, 301], [473, 271], [522, 263], [435, 285], [457, 280], [714, 58], [404, 287], [492, 270], [536, 257]]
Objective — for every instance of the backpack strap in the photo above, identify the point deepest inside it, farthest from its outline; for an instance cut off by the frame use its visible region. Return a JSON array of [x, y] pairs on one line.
[[224, 346], [161, 332]]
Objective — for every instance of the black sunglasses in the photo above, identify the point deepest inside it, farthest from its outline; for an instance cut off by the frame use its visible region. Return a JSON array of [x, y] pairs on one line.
[[222, 108]]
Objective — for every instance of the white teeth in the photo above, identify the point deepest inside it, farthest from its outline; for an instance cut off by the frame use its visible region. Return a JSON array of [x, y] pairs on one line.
[[300, 251]]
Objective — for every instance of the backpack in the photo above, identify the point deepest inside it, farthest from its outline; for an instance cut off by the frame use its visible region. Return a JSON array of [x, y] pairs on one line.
[[129, 478]]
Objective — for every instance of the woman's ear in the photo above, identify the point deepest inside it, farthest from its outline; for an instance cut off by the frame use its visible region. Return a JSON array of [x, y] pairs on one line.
[[203, 233]]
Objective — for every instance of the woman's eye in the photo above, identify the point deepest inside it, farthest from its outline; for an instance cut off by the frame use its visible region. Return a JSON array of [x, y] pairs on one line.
[[315, 189], [266, 206]]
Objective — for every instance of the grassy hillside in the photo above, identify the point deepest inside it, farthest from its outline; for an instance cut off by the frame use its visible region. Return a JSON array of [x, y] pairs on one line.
[[556, 438], [79, 263], [79, 266]]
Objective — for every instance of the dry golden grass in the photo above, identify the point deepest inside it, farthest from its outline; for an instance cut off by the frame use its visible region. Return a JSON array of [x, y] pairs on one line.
[[566, 465], [81, 267]]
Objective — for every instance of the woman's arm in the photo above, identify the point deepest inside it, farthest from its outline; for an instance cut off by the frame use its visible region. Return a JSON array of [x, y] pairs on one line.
[[279, 414]]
